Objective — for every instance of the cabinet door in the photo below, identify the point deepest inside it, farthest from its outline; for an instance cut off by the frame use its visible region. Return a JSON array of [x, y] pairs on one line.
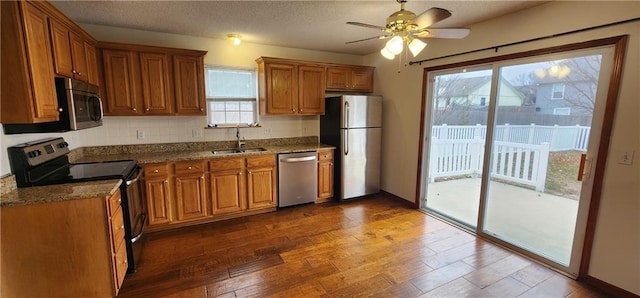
[[122, 85], [188, 75], [338, 78], [156, 84], [362, 79], [228, 192], [282, 89], [78, 57], [325, 175], [62, 61], [92, 64], [45, 102], [191, 197], [158, 193], [261, 186], [311, 87]]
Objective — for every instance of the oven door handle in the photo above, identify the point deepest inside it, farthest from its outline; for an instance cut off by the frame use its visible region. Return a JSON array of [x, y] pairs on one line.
[[134, 180], [135, 238]]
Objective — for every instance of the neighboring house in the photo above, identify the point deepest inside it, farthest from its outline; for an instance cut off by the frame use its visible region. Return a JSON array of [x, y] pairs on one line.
[[573, 94], [474, 92]]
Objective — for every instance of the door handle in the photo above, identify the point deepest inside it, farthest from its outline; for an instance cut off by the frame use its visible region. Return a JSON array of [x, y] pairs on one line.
[[299, 159], [584, 169]]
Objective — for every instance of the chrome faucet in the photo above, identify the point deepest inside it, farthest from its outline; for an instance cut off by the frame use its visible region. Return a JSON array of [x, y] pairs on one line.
[[240, 144]]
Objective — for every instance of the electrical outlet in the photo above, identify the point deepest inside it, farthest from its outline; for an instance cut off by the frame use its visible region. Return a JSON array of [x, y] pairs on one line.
[[267, 131], [626, 157], [197, 133], [141, 134]]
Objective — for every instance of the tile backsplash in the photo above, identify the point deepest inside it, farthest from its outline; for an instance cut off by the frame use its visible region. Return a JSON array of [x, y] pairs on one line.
[[170, 129]]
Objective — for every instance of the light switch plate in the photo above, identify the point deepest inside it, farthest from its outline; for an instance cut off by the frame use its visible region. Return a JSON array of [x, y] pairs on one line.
[[141, 134], [626, 157]]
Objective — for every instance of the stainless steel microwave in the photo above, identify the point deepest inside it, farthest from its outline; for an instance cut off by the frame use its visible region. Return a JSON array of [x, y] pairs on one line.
[[79, 104]]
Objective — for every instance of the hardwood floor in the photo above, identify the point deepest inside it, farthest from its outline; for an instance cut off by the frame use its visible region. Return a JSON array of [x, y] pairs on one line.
[[370, 247]]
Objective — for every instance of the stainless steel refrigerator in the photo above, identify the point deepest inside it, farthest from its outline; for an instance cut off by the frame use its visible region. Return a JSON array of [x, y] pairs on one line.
[[353, 124]]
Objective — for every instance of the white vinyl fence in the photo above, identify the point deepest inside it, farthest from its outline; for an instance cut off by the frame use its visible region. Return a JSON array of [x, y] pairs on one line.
[[560, 138], [520, 163]]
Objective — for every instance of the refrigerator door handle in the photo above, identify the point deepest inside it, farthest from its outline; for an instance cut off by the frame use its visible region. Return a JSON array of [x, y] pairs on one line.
[[346, 125]]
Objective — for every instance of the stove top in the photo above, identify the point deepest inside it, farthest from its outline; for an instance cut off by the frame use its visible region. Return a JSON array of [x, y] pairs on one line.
[[69, 173]]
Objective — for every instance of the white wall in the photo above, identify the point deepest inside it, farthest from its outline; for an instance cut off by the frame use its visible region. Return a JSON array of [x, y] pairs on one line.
[[616, 251], [166, 129]]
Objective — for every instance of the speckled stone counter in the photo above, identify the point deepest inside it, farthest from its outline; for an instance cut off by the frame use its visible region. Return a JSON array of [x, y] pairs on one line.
[[155, 153], [60, 192]]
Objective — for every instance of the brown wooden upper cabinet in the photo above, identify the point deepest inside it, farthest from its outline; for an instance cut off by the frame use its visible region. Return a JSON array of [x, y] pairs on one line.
[[289, 87], [39, 43], [145, 80], [350, 78], [28, 90]]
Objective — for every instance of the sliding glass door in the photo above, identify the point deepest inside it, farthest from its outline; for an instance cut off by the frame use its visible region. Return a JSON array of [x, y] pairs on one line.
[[510, 147]]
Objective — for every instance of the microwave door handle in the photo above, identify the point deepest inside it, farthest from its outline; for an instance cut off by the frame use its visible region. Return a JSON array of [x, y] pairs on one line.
[[96, 114]]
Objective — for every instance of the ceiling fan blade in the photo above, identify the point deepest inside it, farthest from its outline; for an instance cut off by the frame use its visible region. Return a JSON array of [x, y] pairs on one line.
[[370, 38], [367, 25], [453, 33], [430, 17]]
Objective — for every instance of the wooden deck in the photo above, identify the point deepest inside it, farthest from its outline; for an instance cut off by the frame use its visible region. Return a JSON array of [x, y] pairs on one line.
[[373, 247]]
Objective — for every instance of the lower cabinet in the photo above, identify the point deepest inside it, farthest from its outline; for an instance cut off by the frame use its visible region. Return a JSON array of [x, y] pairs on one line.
[[261, 182], [325, 175], [72, 248], [191, 192]]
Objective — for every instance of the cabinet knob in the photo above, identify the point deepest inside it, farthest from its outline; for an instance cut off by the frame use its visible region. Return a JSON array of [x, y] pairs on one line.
[[300, 110], [201, 109], [60, 110], [134, 108], [125, 261], [166, 181], [119, 200], [155, 171], [147, 110], [189, 168], [293, 110], [122, 227]]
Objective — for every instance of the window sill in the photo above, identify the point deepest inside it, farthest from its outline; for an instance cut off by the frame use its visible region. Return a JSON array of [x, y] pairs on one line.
[[219, 126]]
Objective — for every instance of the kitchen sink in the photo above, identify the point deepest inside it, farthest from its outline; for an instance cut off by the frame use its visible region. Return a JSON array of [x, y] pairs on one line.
[[237, 151]]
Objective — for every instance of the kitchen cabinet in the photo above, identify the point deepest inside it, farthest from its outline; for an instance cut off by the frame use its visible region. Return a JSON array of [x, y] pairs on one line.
[[158, 194], [350, 78], [121, 80], [228, 186], [325, 175], [93, 76], [69, 54], [156, 83], [188, 75], [261, 182], [28, 90], [191, 190], [146, 80], [72, 248], [289, 87]]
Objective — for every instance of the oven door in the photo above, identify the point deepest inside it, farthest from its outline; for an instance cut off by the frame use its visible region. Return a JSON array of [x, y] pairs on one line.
[[137, 217]]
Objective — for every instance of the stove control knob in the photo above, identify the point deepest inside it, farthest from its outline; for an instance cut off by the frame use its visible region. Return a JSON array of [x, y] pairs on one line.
[[34, 153], [63, 145]]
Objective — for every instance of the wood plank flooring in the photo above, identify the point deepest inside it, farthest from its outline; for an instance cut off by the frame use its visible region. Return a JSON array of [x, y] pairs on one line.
[[373, 247]]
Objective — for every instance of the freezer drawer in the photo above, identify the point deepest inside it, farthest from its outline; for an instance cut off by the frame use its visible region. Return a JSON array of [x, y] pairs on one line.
[[297, 178]]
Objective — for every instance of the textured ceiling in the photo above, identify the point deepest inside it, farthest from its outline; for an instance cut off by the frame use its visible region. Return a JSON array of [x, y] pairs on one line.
[[314, 25]]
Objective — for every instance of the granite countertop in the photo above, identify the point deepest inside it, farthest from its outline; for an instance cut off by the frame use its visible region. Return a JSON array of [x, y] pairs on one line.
[[156, 157], [59, 192]]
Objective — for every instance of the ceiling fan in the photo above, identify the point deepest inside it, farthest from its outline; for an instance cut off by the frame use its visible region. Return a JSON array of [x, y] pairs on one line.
[[405, 26]]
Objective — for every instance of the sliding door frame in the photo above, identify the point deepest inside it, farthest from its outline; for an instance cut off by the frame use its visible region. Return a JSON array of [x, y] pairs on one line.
[[620, 43]]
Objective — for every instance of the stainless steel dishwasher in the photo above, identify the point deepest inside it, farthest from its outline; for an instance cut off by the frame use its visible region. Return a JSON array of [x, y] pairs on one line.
[[297, 178]]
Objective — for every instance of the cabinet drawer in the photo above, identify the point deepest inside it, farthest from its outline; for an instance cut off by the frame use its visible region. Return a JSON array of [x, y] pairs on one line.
[[226, 164], [114, 202], [325, 155], [117, 229], [189, 167], [261, 161], [156, 170], [120, 264]]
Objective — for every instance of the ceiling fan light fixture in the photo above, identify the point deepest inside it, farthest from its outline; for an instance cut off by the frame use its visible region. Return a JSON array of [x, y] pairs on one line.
[[416, 46], [236, 39], [385, 53], [394, 45]]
